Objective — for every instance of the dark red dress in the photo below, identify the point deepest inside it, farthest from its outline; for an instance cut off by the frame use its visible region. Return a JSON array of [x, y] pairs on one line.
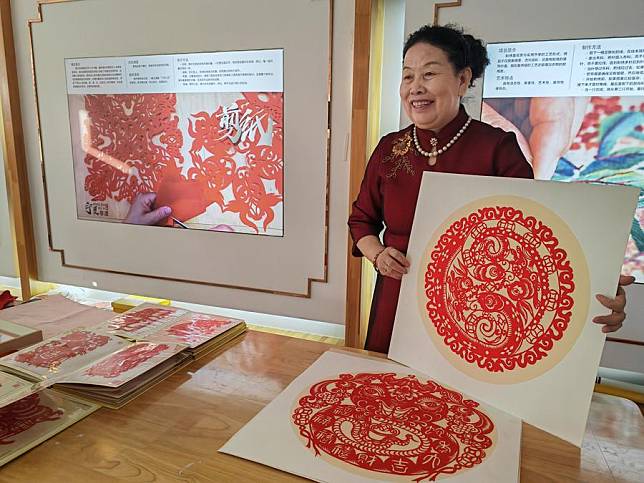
[[390, 187]]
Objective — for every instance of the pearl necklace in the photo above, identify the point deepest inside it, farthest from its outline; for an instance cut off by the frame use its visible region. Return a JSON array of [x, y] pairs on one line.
[[435, 152]]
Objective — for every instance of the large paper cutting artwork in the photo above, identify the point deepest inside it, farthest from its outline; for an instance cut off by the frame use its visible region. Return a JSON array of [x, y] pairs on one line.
[[498, 301], [500, 287], [394, 425], [354, 418]]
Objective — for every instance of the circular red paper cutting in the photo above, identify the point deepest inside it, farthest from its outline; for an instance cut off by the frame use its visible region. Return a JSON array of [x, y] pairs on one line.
[[395, 425], [498, 289]]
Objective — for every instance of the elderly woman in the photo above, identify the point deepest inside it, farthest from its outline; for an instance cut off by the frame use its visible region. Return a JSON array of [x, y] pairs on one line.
[[439, 65]]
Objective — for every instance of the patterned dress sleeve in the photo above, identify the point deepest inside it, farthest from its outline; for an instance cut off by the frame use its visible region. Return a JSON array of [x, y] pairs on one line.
[[366, 216], [509, 160]]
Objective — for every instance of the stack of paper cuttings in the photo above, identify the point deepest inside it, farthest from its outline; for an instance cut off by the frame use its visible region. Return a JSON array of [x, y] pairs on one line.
[[102, 365], [35, 418], [354, 418], [202, 333]]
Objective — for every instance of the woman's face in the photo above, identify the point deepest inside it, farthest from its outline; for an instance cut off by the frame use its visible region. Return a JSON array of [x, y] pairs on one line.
[[430, 90]]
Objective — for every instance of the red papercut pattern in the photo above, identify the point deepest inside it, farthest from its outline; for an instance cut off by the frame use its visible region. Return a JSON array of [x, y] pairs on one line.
[[22, 415], [198, 329], [126, 359], [54, 353], [185, 197], [394, 425], [498, 289], [131, 322], [252, 128], [133, 141]]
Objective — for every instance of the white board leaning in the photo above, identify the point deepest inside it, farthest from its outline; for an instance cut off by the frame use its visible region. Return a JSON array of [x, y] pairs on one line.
[[353, 418], [500, 295]]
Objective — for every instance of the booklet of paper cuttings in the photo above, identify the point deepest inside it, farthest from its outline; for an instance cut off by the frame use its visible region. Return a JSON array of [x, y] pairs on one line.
[[61, 355], [202, 333], [101, 365], [96, 365]]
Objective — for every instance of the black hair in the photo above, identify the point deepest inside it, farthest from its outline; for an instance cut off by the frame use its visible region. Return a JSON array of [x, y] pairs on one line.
[[462, 50]]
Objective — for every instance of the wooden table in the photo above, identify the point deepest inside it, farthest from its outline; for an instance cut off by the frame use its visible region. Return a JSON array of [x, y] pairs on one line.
[[172, 432]]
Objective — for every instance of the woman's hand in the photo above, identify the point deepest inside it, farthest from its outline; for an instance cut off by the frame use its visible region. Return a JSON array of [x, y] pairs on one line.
[[613, 321], [391, 263]]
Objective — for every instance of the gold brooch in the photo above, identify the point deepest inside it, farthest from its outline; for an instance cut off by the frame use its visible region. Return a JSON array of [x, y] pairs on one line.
[[398, 157]]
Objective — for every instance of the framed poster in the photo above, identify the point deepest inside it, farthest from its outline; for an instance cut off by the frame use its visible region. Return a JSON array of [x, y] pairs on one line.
[[202, 131], [186, 264]]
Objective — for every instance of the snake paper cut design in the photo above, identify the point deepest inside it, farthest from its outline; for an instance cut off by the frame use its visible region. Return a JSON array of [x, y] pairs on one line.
[[394, 425], [498, 289]]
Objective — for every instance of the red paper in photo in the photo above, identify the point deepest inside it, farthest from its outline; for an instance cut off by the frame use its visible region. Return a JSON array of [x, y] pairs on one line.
[[186, 197], [394, 425], [194, 150], [132, 142]]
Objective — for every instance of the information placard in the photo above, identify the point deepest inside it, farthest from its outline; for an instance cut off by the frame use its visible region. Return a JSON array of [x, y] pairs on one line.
[[577, 108]]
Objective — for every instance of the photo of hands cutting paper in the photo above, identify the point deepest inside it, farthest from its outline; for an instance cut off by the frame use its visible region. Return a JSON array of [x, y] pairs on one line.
[[187, 141]]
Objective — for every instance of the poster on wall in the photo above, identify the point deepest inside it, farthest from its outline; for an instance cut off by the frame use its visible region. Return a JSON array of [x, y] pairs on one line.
[[577, 108], [200, 133]]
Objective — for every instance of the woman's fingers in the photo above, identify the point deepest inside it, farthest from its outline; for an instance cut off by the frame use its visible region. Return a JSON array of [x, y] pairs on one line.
[[399, 257], [392, 263], [625, 280], [617, 304]]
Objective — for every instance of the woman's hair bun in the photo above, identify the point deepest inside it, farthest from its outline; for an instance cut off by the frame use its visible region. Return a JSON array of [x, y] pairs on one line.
[[463, 50]]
